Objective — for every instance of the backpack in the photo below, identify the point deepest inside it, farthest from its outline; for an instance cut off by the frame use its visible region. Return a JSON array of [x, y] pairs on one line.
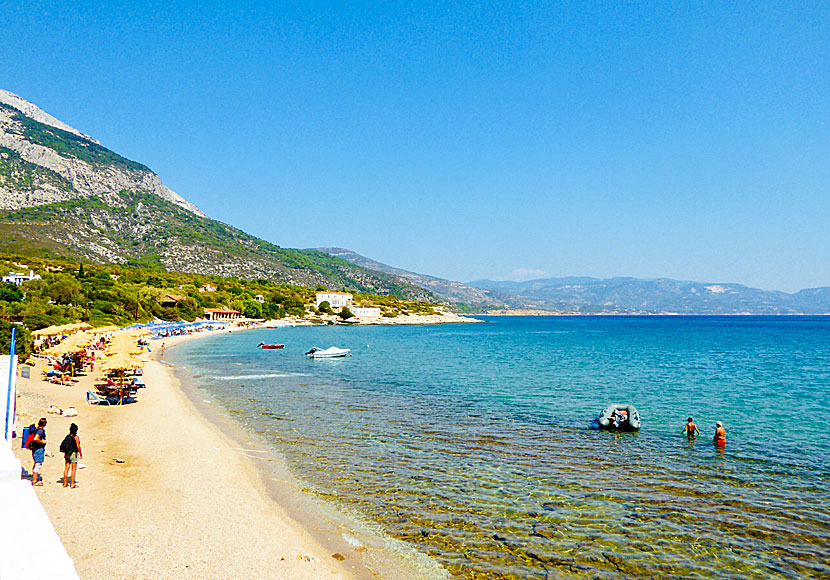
[[68, 445], [30, 437]]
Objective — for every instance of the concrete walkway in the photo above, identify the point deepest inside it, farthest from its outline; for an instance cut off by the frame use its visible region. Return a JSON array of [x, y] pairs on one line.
[[29, 546]]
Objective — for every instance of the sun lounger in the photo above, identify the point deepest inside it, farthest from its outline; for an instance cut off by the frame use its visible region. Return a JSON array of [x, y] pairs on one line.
[[94, 399]]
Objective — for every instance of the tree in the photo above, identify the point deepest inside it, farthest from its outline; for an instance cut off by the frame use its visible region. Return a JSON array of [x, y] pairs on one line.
[[65, 290], [345, 313], [324, 308], [23, 338], [251, 309], [10, 293]]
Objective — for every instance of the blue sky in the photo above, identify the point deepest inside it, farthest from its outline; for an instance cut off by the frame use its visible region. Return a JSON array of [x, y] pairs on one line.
[[506, 140]]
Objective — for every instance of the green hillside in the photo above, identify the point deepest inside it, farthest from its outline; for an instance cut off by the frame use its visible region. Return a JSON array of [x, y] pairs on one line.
[[141, 229]]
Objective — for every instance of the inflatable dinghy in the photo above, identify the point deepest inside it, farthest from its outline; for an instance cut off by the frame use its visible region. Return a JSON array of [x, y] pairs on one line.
[[619, 418]]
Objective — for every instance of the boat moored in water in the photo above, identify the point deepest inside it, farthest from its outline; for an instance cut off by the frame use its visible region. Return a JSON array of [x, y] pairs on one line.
[[270, 346], [618, 417], [330, 352]]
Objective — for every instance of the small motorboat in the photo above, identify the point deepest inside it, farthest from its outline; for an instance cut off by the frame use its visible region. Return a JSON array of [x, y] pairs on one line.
[[330, 352], [270, 346], [617, 417]]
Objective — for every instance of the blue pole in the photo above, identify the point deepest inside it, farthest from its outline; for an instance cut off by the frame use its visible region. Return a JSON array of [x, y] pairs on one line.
[[9, 411]]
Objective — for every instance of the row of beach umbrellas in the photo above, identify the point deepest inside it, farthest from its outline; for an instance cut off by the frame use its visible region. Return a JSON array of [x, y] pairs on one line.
[[120, 353], [62, 329]]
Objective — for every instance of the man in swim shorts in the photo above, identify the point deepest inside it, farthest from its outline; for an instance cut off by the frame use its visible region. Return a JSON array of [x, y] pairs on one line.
[[690, 429], [720, 435]]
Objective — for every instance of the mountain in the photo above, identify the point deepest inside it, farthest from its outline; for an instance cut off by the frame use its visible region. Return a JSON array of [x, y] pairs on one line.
[[448, 290], [64, 194], [43, 160], [659, 296], [586, 295]]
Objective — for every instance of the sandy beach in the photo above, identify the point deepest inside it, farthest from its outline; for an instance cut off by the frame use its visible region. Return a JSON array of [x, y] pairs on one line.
[[165, 493]]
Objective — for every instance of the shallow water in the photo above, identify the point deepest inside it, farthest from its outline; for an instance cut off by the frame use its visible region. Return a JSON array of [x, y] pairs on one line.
[[471, 442]]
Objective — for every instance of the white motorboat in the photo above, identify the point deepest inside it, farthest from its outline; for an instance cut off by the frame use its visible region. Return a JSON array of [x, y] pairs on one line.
[[330, 352]]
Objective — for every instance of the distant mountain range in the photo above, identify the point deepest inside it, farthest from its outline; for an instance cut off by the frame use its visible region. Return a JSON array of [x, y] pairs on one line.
[[585, 295], [659, 296]]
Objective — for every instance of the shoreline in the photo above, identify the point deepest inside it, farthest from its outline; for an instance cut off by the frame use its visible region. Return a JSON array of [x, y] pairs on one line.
[[167, 485], [370, 553]]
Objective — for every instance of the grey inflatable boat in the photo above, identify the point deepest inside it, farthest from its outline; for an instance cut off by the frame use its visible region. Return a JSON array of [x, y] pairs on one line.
[[619, 418]]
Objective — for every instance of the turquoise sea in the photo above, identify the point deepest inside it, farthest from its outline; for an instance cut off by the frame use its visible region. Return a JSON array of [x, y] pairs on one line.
[[471, 442]]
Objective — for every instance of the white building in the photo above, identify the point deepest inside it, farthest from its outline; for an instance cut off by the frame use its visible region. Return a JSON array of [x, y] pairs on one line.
[[221, 314], [336, 300], [17, 278], [361, 312]]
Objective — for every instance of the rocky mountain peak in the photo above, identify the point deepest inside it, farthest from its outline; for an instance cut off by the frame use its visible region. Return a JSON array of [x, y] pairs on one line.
[[34, 112], [44, 160]]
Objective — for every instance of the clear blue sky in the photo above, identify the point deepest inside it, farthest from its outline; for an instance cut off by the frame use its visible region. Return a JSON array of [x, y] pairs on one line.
[[505, 140]]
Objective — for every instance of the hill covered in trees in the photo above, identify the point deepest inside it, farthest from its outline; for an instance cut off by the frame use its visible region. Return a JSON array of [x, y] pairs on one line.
[[113, 294], [64, 195]]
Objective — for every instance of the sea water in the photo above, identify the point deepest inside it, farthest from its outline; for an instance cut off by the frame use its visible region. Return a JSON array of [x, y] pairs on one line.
[[471, 442]]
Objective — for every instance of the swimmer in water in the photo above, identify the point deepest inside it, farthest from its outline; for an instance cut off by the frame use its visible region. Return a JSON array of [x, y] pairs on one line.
[[720, 435], [690, 430]]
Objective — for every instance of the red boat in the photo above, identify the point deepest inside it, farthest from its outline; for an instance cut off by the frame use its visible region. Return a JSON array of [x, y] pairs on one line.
[[270, 346]]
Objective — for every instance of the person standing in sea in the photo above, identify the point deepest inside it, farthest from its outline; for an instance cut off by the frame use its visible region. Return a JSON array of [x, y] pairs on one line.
[[38, 447], [690, 430], [720, 435]]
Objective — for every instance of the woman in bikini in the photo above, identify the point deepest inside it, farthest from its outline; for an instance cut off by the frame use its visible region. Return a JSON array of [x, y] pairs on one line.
[[720, 435]]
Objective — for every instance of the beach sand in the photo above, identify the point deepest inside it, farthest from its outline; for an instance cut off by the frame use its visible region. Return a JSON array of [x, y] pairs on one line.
[[165, 493]]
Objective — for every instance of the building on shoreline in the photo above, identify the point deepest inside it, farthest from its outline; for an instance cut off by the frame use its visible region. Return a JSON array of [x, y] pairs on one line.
[[337, 300], [361, 312], [340, 300], [221, 314]]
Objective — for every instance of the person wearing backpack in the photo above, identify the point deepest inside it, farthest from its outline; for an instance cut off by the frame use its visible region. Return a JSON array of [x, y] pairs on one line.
[[71, 449], [38, 447]]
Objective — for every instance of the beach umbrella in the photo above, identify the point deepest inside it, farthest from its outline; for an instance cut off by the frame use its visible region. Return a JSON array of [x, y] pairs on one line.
[[122, 340], [105, 329], [44, 331], [71, 344], [130, 348], [135, 332], [121, 362], [62, 329]]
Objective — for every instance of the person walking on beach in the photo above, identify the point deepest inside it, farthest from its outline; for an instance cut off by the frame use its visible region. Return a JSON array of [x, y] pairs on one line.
[[720, 435], [71, 449], [690, 429], [162, 349], [38, 447]]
